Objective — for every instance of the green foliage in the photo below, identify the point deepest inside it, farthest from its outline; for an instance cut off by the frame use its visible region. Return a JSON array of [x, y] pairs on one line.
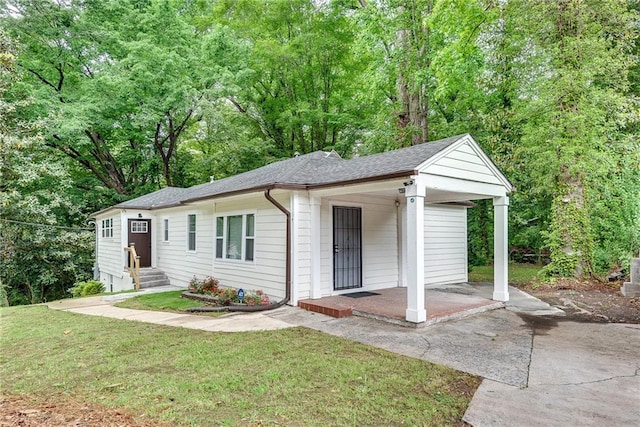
[[574, 137], [115, 84], [300, 83], [90, 287], [44, 246], [106, 100], [480, 233], [569, 239], [226, 296]]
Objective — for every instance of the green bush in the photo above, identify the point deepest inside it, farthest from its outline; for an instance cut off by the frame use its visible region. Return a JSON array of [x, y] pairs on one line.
[[90, 287]]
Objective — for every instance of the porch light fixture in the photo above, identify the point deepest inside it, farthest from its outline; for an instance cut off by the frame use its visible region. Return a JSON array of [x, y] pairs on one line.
[[139, 215], [408, 183]]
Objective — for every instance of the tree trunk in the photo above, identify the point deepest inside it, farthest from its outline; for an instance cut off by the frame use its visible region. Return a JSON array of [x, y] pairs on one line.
[[413, 46]]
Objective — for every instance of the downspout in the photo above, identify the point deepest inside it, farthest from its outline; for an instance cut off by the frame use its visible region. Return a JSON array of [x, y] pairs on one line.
[[287, 214], [287, 296], [96, 269]]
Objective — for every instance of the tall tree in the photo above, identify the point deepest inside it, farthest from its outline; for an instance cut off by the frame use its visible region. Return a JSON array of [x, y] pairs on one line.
[[116, 84], [301, 84], [43, 250], [396, 36], [572, 138]]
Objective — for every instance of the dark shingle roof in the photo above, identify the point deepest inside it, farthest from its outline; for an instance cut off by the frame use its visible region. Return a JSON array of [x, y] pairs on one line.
[[306, 171], [161, 198]]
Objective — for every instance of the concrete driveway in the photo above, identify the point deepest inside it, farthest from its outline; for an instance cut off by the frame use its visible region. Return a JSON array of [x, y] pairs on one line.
[[579, 374], [539, 369]]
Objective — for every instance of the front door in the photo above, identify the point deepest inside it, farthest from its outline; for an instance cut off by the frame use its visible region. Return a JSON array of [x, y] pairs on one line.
[[140, 235], [347, 248]]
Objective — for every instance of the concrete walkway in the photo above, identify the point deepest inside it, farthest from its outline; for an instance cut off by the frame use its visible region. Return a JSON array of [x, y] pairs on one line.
[[228, 322], [538, 368]]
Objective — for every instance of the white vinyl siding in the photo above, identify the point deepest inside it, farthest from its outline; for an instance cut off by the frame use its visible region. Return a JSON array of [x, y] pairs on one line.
[[379, 241], [301, 263], [465, 163], [173, 256], [445, 244], [111, 256], [267, 271], [110, 250]]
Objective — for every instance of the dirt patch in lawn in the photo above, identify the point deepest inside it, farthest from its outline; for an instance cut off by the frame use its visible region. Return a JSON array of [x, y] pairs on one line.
[[588, 300], [63, 411]]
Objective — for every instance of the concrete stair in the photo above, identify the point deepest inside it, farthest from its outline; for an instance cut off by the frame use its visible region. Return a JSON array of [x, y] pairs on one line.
[[151, 277]]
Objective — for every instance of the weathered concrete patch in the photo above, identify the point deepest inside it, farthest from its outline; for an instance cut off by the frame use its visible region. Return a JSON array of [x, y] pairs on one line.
[[494, 345], [580, 374]]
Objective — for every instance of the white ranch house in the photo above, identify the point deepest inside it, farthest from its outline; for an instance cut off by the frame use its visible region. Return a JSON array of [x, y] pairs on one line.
[[317, 225]]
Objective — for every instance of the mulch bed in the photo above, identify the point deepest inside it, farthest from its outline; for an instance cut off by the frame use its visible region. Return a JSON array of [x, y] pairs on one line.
[[58, 411]]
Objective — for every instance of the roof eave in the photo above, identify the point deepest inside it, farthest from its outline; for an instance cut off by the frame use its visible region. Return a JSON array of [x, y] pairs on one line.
[[302, 187], [401, 174], [282, 186]]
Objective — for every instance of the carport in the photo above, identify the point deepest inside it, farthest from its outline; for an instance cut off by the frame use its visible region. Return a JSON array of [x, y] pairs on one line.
[[401, 204]]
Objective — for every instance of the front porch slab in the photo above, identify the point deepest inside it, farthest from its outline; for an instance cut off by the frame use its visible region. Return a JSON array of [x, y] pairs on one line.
[[390, 305]]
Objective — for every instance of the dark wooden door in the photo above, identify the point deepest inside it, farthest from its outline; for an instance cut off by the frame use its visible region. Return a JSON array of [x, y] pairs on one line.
[[347, 248], [140, 235]]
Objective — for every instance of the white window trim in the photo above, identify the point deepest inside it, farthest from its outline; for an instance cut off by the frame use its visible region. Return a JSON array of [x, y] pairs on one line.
[[106, 228], [224, 258], [136, 223], [195, 238], [165, 230]]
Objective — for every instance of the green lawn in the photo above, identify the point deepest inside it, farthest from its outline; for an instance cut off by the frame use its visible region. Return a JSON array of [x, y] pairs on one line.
[[518, 273], [184, 377], [161, 301]]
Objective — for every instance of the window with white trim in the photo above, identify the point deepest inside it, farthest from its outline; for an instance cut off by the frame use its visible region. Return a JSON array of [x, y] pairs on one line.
[[165, 230], [235, 237], [191, 232], [139, 226], [107, 228]]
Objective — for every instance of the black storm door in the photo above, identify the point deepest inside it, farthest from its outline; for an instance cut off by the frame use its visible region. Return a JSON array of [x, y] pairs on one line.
[[347, 248]]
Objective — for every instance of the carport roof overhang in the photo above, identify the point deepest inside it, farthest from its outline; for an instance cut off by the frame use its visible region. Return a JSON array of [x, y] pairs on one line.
[[439, 189]]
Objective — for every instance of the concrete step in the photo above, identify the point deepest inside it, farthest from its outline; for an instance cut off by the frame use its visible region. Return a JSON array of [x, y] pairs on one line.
[[152, 277], [150, 272], [156, 276], [154, 283]]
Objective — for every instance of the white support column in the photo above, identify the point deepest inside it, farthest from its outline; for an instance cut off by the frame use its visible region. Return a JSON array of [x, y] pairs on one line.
[[295, 239], [415, 193], [500, 249], [215, 238], [316, 291]]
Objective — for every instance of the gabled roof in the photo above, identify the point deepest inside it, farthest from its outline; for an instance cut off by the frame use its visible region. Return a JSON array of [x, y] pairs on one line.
[[314, 170]]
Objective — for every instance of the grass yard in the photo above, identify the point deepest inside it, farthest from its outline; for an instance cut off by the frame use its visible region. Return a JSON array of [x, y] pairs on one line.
[[518, 273], [161, 301], [184, 377]]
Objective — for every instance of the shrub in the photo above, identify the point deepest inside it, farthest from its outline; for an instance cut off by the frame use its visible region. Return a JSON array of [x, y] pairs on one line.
[[209, 285], [226, 296], [90, 287]]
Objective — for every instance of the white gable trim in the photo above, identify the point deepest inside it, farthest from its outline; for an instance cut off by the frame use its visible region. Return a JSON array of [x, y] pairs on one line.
[[468, 139]]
